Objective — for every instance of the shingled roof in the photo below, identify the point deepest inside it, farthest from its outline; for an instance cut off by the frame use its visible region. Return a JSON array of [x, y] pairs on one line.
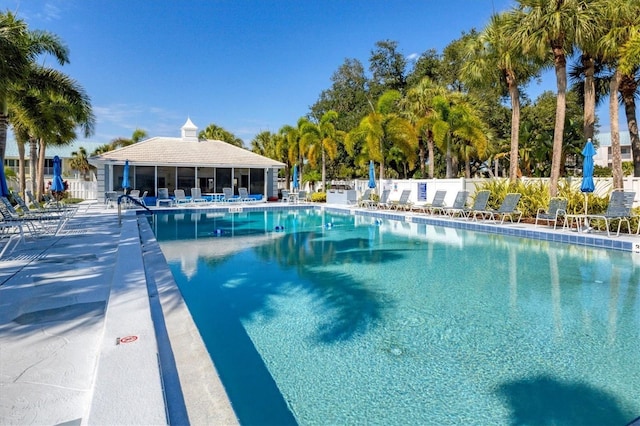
[[186, 151]]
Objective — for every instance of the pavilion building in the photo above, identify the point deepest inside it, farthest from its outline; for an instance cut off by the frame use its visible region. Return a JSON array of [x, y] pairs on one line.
[[187, 162]]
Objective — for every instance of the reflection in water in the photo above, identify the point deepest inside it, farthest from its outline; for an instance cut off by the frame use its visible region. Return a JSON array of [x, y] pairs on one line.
[[397, 322], [513, 278], [555, 292]]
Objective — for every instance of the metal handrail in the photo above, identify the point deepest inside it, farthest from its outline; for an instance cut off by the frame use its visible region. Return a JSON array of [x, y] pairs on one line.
[[135, 201]]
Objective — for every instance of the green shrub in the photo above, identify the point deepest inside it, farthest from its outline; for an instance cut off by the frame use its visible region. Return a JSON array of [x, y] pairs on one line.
[[319, 197]]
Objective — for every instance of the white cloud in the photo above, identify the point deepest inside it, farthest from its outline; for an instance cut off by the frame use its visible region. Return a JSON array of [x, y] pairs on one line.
[[413, 57]]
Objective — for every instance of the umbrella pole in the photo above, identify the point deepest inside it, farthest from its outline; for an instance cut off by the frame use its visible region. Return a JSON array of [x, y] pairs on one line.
[[586, 219]]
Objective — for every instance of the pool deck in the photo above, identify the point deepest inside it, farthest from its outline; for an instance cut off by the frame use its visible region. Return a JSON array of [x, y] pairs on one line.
[[93, 329]]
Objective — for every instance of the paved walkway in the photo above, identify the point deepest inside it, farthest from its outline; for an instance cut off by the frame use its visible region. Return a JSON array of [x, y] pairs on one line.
[[84, 338]]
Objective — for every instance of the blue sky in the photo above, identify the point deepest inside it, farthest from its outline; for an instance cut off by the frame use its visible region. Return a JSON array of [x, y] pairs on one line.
[[245, 65]]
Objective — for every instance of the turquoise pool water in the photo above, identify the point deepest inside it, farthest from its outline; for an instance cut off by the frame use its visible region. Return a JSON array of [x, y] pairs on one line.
[[317, 318]]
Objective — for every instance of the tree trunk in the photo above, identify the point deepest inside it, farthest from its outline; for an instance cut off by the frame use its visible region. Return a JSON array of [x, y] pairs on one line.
[[628, 87], [514, 93], [430, 147], [21, 172], [421, 156], [4, 124], [41, 153], [449, 158], [33, 162], [324, 169], [560, 62], [589, 96], [616, 154]]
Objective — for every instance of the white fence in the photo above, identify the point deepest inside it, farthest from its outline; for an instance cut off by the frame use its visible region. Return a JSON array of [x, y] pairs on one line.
[[423, 190], [85, 190]]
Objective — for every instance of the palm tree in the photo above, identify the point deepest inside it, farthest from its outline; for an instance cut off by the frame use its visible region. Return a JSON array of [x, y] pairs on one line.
[[549, 30], [623, 22], [47, 108], [622, 43], [80, 162], [291, 145], [215, 132], [19, 48], [493, 59], [382, 130], [321, 139], [419, 109], [456, 120]]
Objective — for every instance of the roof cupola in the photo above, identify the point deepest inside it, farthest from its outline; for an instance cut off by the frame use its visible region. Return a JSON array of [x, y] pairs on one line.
[[189, 131]]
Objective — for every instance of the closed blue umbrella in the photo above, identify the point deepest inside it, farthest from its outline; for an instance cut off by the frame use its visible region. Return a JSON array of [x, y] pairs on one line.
[[372, 175], [4, 188], [57, 185], [125, 177], [587, 185], [295, 177]]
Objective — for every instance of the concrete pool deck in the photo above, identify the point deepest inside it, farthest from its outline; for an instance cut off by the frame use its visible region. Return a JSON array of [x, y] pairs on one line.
[[93, 329]]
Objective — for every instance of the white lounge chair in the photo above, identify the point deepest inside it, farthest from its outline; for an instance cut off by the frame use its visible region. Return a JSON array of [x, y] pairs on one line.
[[180, 197], [196, 196], [163, 198], [403, 202]]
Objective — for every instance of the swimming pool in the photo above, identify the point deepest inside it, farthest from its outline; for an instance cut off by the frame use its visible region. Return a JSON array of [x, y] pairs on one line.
[[319, 318]]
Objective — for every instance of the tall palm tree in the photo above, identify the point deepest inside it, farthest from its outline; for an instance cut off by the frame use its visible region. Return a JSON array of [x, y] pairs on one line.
[[418, 107], [456, 121], [623, 42], [494, 59], [291, 143], [549, 30], [48, 107], [382, 130], [623, 23], [19, 49], [321, 139]]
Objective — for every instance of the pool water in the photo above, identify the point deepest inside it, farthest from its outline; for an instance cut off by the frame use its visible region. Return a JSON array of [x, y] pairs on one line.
[[316, 318]]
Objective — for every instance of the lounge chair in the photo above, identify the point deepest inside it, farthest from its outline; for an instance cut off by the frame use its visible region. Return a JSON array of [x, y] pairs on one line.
[[163, 198], [437, 204], [243, 193], [229, 196], [180, 197], [458, 204], [196, 196], [403, 202], [365, 199], [619, 208], [480, 202], [507, 209], [36, 224], [557, 209], [10, 237], [302, 196], [383, 202], [111, 199]]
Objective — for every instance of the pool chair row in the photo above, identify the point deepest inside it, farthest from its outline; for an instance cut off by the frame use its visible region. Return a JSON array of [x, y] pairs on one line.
[[197, 198], [20, 221], [369, 201], [478, 210]]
